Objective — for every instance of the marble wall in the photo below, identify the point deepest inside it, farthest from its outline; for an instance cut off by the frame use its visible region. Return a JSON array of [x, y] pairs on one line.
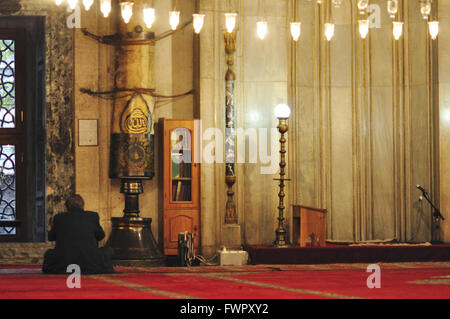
[[365, 128], [362, 131], [444, 116]]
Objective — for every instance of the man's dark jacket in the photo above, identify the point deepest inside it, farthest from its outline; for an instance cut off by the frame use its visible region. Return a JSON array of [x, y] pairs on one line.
[[77, 233]]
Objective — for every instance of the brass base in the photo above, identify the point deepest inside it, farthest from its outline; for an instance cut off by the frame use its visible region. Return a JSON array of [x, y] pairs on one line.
[[281, 239], [132, 240]]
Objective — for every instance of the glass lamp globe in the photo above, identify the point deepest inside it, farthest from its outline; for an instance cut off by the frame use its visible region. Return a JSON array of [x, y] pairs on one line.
[[363, 28], [296, 30], [434, 29], [127, 11], [198, 20], [149, 16], [230, 21], [397, 30], [174, 19], [282, 111], [88, 4], [105, 7], [329, 31], [261, 29], [72, 4]]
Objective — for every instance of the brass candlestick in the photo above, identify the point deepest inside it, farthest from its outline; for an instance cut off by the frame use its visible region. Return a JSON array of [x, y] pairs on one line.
[[282, 112]]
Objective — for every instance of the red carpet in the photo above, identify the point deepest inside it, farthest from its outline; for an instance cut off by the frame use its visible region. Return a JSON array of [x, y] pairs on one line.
[[347, 254], [336, 281]]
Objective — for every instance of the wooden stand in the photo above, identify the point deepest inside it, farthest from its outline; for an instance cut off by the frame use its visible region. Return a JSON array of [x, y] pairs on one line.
[[309, 222]]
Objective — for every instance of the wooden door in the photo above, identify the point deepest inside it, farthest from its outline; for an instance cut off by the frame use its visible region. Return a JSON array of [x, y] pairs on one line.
[[180, 221]]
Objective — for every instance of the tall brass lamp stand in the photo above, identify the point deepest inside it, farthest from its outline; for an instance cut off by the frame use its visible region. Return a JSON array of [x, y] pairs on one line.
[[282, 112]]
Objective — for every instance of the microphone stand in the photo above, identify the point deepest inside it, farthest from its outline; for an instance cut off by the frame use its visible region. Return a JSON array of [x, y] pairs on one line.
[[437, 215]]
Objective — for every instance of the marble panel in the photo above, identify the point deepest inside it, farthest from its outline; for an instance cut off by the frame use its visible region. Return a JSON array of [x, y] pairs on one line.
[[265, 60], [339, 149]]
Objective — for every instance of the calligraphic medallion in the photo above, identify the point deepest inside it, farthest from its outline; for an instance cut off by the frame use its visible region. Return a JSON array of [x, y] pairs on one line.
[[136, 117]]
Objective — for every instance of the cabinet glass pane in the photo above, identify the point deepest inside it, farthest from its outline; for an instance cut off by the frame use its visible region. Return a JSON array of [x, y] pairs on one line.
[[181, 164]]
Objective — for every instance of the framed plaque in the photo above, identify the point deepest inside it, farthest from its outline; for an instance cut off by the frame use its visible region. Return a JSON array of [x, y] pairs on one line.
[[87, 132]]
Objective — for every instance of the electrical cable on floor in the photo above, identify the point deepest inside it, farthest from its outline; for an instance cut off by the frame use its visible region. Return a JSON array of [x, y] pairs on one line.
[[190, 256]]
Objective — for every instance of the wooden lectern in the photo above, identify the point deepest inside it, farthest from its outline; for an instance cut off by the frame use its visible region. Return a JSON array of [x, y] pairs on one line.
[[309, 222]]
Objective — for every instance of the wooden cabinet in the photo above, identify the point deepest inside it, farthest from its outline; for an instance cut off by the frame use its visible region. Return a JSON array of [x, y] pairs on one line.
[[181, 183]]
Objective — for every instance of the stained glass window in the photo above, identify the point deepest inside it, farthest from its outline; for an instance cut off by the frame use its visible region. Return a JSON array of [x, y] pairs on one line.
[[7, 84], [7, 187], [7, 120]]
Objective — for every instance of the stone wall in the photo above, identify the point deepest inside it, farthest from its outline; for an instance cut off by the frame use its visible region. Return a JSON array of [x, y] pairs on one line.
[[23, 253]]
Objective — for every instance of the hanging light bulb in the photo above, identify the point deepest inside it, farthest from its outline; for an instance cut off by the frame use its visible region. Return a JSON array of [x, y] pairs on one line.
[[149, 16], [261, 24], [261, 29], [127, 10], [319, 1], [425, 8], [230, 21], [434, 29], [72, 4], [58, 2], [296, 30], [105, 7], [329, 31], [362, 5], [397, 29], [392, 8], [363, 28], [174, 19], [198, 22], [87, 4]]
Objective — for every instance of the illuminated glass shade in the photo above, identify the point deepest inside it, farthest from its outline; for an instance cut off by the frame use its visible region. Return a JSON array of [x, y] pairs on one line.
[[261, 29], [296, 30], [329, 31], [58, 2], [397, 29], [105, 7], [149, 17], [363, 28], [282, 111], [87, 4], [230, 21], [127, 11], [174, 19], [72, 4], [434, 29], [198, 22]]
